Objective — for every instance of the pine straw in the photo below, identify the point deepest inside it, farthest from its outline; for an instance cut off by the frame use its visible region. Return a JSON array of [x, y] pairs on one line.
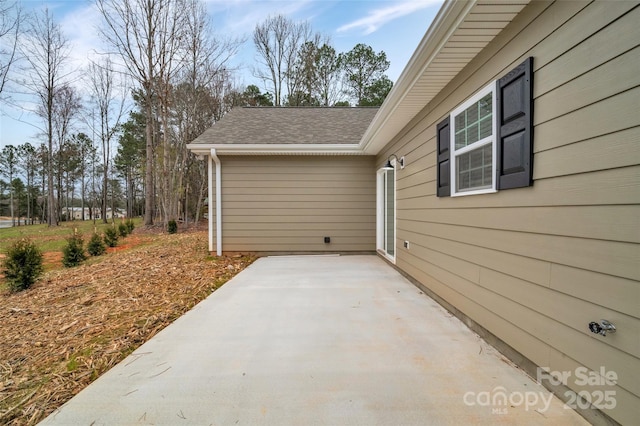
[[75, 324]]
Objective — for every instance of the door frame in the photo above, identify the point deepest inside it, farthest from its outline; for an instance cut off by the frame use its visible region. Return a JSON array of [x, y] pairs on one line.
[[381, 213]]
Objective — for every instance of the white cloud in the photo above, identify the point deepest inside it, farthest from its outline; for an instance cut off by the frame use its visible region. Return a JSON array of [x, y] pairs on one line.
[[379, 17], [239, 17], [80, 26]]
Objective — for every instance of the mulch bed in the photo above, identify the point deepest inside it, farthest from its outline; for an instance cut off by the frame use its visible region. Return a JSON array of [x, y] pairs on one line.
[[75, 324]]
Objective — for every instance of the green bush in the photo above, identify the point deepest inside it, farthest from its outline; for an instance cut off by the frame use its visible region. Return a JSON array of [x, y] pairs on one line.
[[96, 246], [123, 230], [130, 225], [23, 265], [110, 237], [172, 227], [73, 252]]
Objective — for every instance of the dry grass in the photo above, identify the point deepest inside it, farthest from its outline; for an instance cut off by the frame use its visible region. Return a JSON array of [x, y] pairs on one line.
[[75, 324]]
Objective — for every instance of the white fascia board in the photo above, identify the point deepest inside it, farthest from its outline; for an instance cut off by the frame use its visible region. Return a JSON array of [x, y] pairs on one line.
[[449, 17], [277, 149]]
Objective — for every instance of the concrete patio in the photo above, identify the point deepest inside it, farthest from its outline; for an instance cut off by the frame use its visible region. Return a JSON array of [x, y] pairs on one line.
[[315, 340]]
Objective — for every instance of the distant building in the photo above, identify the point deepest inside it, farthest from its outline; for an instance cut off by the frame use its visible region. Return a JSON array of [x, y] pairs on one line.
[[76, 213]]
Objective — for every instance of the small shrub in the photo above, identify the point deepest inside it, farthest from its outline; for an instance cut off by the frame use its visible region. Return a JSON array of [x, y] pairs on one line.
[[110, 237], [96, 246], [73, 252], [123, 230], [130, 225], [23, 265], [172, 227]]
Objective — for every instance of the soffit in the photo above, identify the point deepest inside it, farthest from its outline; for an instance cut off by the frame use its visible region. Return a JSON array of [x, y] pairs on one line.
[[458, 33]]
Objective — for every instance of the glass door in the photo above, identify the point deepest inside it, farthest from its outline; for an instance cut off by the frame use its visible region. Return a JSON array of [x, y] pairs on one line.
[[387, 212]]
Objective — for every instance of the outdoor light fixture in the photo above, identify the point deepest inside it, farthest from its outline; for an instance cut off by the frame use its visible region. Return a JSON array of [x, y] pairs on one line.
[[389, 166]]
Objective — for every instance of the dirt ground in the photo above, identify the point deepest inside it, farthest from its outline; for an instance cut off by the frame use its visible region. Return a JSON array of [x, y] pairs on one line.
[[75, 324]]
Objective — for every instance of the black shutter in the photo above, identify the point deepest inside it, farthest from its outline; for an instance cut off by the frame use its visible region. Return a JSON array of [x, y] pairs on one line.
[[515, 127], [444, 177]]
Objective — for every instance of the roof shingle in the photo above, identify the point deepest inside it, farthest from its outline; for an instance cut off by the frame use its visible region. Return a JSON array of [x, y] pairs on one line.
[[279, 125]]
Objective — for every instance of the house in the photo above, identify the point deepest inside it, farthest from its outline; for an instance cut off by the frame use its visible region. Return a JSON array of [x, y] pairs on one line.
[[289, 177], [76, 213], [512, 193]]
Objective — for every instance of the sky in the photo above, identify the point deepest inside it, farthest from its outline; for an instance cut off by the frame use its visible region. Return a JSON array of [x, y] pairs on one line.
[[393, 26]]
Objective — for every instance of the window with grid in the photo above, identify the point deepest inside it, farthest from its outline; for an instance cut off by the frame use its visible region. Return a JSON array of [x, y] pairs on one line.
[[486, 144], [473, 144]]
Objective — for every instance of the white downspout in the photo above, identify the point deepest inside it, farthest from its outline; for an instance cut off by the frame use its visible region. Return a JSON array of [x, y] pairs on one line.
[[210, 201], [215, 159]]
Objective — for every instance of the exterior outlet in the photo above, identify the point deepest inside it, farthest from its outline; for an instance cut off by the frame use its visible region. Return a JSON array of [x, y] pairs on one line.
[[327, 240], [406, 245]]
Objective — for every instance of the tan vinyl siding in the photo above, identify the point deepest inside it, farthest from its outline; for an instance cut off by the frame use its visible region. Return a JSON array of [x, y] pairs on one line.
[[290, 203], [535, 265]]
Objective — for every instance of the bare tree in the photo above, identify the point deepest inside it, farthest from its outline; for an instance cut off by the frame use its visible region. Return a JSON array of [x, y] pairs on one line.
[[278, 40], [171, 38], [166, 45], [199, 98], [66, 106], [206, 54], [46, 50], [110, 110], [11, 18], [133, 28]]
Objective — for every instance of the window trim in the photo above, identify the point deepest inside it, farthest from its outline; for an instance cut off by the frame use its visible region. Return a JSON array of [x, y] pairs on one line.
[[490, 88]]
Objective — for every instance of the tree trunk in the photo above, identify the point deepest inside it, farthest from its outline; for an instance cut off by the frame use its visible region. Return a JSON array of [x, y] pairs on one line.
[[58, 196], [82, 189], [13, 219], [105, 183], [148, 179], [43, 211], [130, 195], [28, 198], [201, 192], [51, 202]]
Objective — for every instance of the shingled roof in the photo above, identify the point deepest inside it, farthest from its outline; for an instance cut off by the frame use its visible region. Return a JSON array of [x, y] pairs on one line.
[[282, 126]]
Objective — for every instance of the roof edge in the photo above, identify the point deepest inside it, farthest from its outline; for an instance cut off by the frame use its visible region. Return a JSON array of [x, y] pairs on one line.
[[449, 17]]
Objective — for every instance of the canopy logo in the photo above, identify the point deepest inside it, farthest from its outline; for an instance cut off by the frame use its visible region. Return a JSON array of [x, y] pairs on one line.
[[499, 399], [595, 392]]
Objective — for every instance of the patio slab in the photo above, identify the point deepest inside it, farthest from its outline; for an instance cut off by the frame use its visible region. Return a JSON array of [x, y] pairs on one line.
[[315, 340]]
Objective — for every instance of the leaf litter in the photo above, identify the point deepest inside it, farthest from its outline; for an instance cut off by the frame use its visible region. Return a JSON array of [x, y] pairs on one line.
[[75, 324]]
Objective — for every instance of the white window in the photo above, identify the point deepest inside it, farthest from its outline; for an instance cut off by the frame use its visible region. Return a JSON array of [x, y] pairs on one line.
[[473, 144], [486, 144]]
